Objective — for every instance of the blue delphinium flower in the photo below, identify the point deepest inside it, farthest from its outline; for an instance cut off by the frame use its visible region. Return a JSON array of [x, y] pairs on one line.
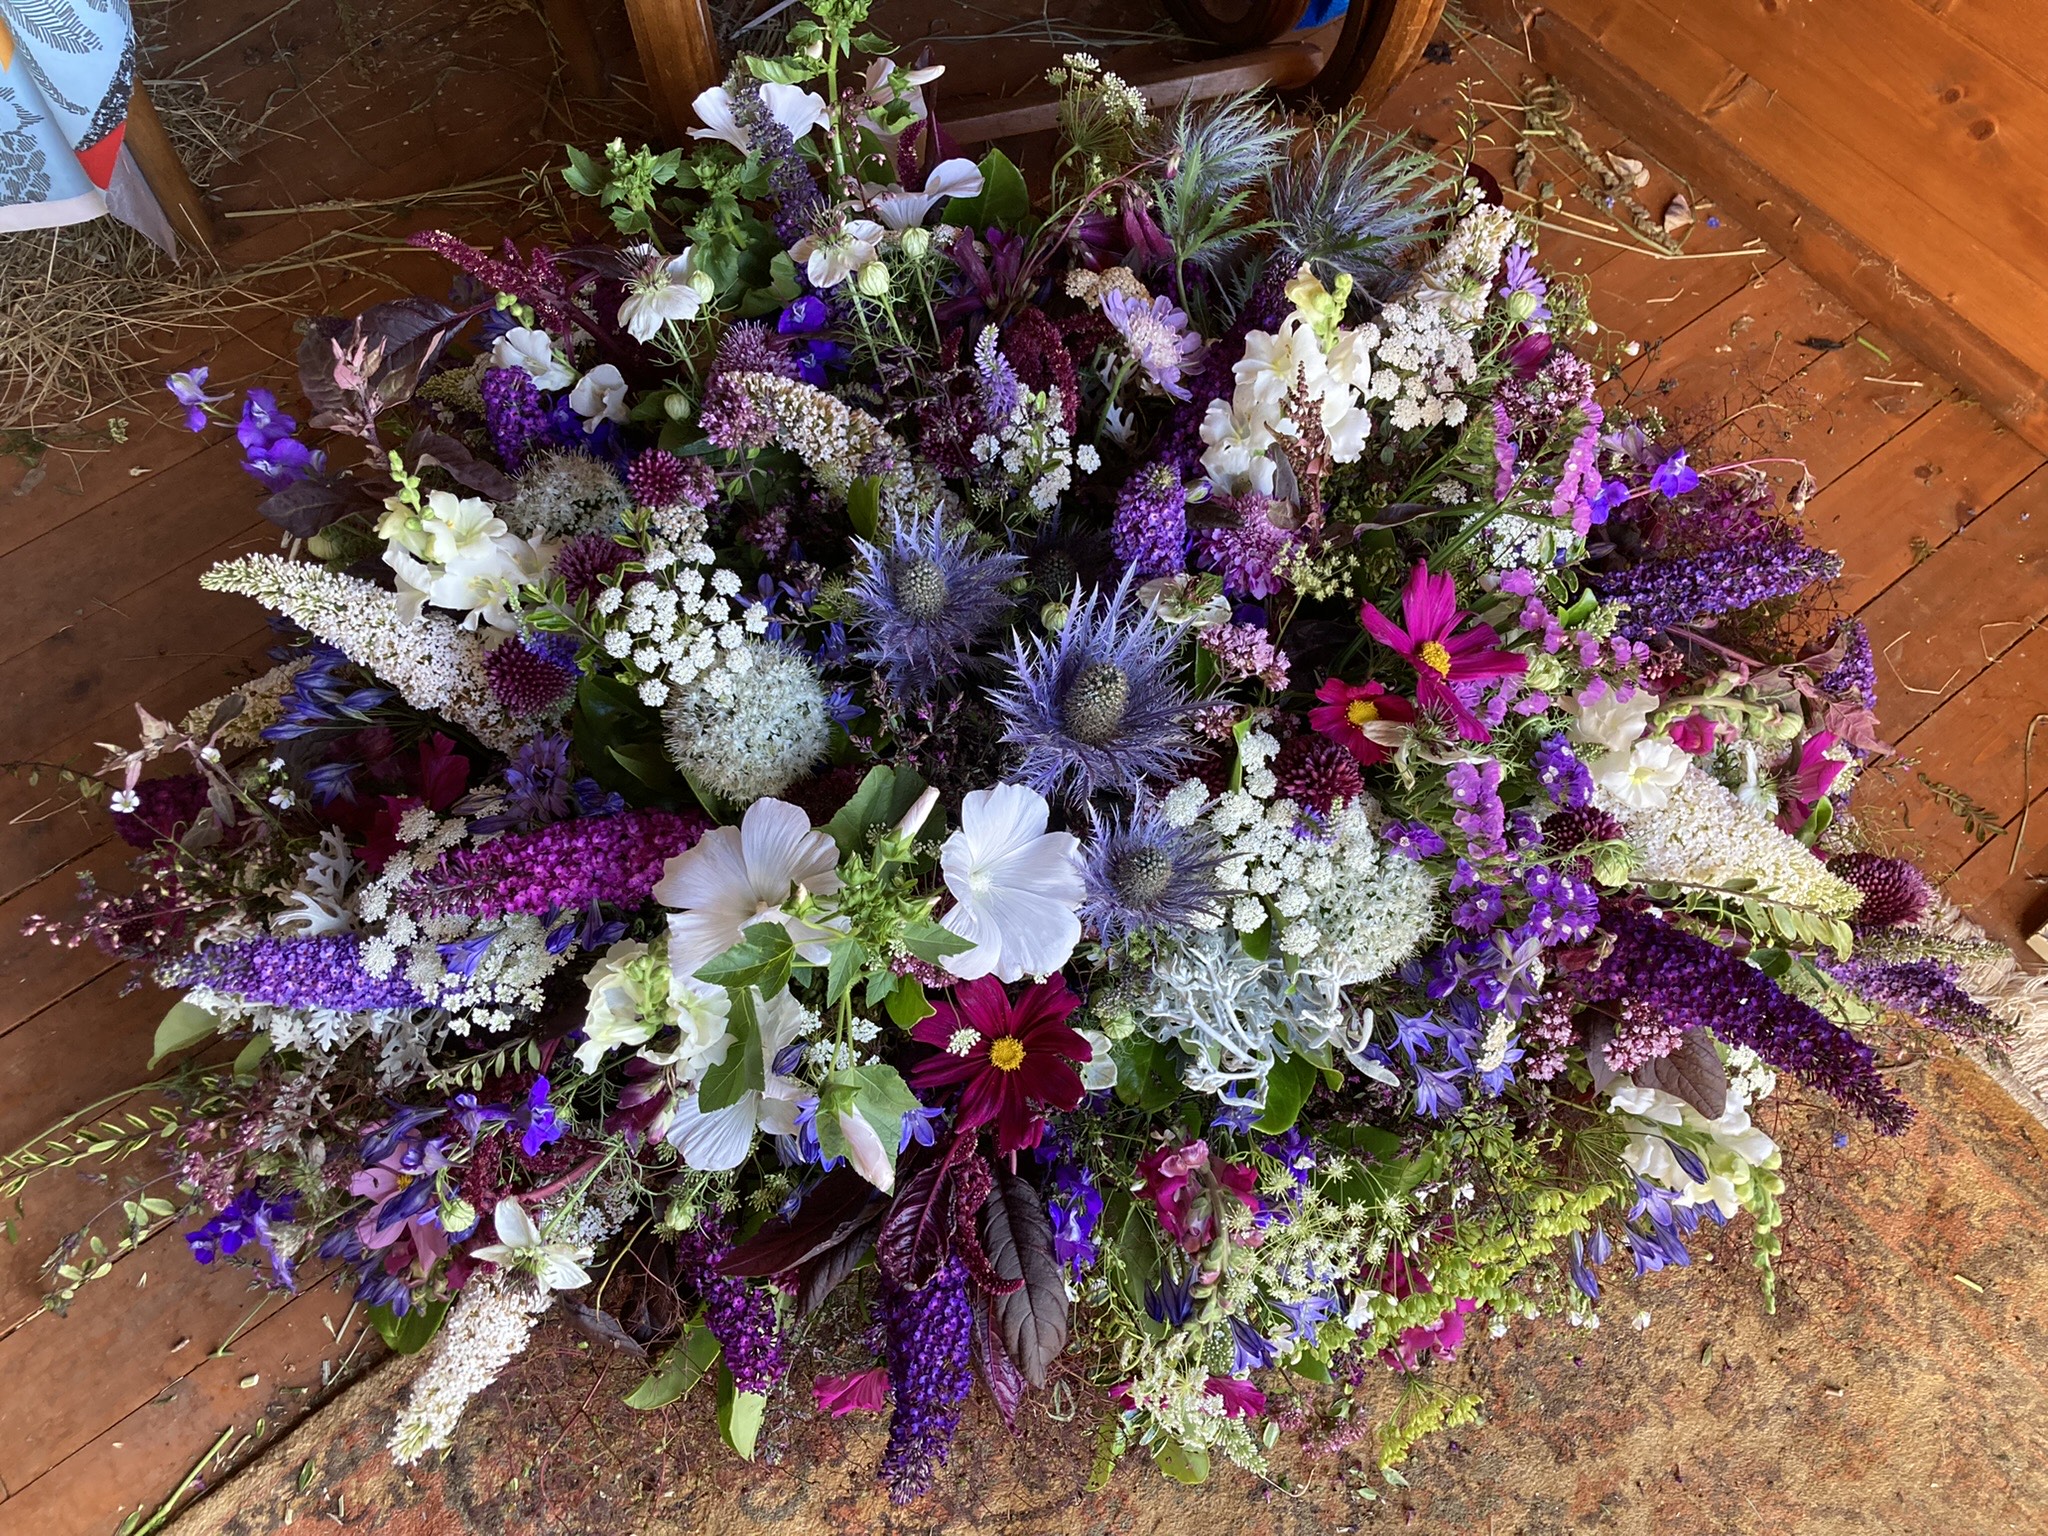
[[248, 1219], [1437, 1092], [1252, 1350], [1099, 706], [1144, 872], [542, 1128], [925, 600]]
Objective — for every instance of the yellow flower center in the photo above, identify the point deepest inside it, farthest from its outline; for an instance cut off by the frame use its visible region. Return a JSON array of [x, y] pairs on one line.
[[1006, 1054], [1361, 711], [1433, 656]]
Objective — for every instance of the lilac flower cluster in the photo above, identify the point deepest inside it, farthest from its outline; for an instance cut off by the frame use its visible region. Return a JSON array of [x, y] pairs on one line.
[[322, 972], [566, 866], [1696, 984], [247, 1219], [741, 1316], [1680, 592], [926, 1336]]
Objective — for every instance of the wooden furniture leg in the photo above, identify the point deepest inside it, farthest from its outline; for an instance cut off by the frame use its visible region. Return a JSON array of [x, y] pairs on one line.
[[582, 63], [679, 53], [165, 173], [1380, 42]]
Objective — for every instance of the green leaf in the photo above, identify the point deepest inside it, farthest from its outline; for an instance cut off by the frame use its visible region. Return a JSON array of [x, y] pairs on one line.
[[881, 801], [1183, 1463], [252, 1053], [844, 958], [742, 1070], [186, 1024], [1259, 942], [739, 1415], [762, 959], [780, 71], [908, 1003], [1312, 1366], [1004, 199], [1822, 818], [681, 1369], [932, 943], [864, 506], [410, 1334], [583, 174], [1288, 1086], [877, 1093], [609, 716]]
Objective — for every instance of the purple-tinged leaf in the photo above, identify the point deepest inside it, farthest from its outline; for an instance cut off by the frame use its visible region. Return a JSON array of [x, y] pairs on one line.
[[819, 1276], [465, 468], [999, 1372], [302, 509], [1693, 1073], [1017, 1233], [838, 1207]]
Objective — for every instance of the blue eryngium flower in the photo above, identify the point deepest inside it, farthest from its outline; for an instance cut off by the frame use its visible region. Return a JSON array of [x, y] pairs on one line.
[[1144, 872], [1098, 707], [925, 599]]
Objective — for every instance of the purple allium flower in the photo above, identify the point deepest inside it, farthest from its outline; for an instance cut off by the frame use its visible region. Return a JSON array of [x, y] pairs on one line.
[[927, 1339], [1894, 891], [1663, 593], [1316, 772], [1693, 983], [1157, 336], [1150, 533], [513, 413], [926, 599], [189, 390], [566, 866], [1099, 706], [530, 677], [248, 1219], [582, 563], [657, 478], [1143, 872], [323, 972], [741, 1316], [1247, 551]]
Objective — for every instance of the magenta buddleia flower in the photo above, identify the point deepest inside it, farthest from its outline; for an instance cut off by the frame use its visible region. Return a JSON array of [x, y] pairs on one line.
[[1683, 591], [566, 866], [1100, 705], [1429, 638], [927, 1338]]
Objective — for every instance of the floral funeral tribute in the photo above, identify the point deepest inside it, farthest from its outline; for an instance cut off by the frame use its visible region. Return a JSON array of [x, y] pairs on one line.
[[881, 788]]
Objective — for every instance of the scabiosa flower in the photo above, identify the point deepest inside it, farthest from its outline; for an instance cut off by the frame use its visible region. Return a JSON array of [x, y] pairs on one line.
[[1145, 872], [1150, 533], [1318, 773], [1009, 1059], [1157, 336], [926, 599], [531, 677], [1349, 711], [927, 1338], [1429, 639], [1098, 707], [1894, 892]]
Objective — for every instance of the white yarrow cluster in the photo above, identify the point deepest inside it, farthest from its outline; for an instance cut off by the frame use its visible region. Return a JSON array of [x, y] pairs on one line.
[[681, 627], [1705, 835], [754, 727], [488, 1327], [433, 662]]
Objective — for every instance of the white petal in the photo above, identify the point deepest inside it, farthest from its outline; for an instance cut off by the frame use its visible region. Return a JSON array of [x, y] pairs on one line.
[[1037, 935], [995, 822], [560, 1273], [794, 108], [713, 873], [781, 850], [865, 1151], [987, 953], [954, 178], [714, 110], [515, 1227], [695, 938], [717, 1141], [1048, 866]]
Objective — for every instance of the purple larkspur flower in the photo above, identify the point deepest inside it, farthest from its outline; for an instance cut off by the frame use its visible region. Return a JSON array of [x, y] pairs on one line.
[[188, 388], [1682, 591], [927, 1338], [247, 1219]]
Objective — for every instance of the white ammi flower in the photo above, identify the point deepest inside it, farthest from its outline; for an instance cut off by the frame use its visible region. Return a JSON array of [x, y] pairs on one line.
[[557, 1266], [736, 877], [534, 351], [1017, 888]]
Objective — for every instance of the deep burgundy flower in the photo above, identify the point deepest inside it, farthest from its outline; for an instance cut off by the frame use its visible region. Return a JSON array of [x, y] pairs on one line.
[[1009, 1059], [1429, 638]]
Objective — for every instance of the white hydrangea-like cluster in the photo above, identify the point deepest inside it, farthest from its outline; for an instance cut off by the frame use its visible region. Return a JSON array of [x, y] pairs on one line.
[[1426, 337], [1703, 834], [1325, 883], [487, 1328], [564, 494], [753, 727], [433, 662], [680, 629]]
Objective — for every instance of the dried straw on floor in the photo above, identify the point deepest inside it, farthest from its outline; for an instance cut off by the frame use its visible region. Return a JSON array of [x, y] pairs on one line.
[[1996, 979]]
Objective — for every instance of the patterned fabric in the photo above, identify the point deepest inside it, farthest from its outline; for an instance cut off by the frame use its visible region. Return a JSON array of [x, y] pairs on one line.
[[67, 68]]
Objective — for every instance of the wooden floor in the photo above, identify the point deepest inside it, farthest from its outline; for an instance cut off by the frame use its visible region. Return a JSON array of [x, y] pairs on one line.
[[107, 1409]]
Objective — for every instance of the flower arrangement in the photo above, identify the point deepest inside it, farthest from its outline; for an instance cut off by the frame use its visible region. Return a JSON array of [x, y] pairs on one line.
[[1139, 791]]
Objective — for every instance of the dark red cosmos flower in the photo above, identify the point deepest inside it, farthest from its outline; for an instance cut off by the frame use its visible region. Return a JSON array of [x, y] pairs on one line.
[[1008, 1059], [1440, 655]]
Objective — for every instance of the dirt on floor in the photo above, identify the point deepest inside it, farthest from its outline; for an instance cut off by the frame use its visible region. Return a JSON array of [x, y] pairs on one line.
[[1896, 1390]]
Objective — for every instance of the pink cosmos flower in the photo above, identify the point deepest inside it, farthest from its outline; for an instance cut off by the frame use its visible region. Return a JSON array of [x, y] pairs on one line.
[[859, 1392], [1347, 709], [1191, 1191], [1241, 1400], [1428, 637]]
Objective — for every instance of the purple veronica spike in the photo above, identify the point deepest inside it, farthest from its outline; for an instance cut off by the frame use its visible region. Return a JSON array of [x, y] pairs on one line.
[[1098, 706]]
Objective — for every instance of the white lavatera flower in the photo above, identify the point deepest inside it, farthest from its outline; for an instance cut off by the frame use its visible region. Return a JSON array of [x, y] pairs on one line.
[[736, 877], [1017, 888], [898, 209], [1643, 775], [795, 108], [722, 1138], [600, 395], [534, 351], [520, 1245], [830, 259], [1612, 718]]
